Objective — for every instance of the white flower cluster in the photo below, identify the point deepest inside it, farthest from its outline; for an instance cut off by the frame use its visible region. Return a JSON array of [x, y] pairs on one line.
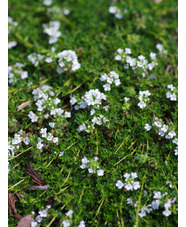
[[12, 44], [92, 166], [109, 79], [14, 143], [16, 72], [42, 214], [52, 29], [43, 97], [155, 204], [11, 24], [129, 184], [56, 11], [68, 60], [143, 97], [163, 130], [48, 136], [161, 49], [91, 98], [67, 222], [117, 12], [171, 94], [140, 64], [35, 58], [94, 97], [99, 120]]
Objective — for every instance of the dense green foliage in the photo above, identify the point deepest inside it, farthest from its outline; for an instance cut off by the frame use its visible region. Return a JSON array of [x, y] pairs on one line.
[[122, 145]]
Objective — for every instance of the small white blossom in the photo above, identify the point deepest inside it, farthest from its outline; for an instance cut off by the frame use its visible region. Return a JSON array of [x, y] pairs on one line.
[[106, 87], [81, 224], [40, 145], [73, 100], [66, 223], [100, 172], [119, 184], [69, 213], [147, 127]]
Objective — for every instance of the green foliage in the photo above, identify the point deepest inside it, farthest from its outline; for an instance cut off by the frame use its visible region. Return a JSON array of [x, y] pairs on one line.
[[122, 144]]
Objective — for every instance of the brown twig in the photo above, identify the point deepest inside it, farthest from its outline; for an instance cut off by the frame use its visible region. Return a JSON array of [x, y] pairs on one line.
[[35, 178], [11, 206]]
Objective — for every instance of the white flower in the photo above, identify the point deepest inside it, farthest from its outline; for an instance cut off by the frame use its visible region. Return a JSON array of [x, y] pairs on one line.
[[47, 2], [106, 87], [66, 11], [170, 135], [26, 140], [81, 224], [12, 44], [66, 223], [129, 201], [90, 170], [173, 97], [171, 87], [34, 224], [128, 186], [69, 213], [85, 160], [39, 218], [40, 145], [32, 116], [117, 57], [157, 123], [134, 175], [126, 99], [112, 9], [92, 112], [48, 60], [67, 114], [51, 124], [81, 128], [73, 100], [118, 15], [61, 153], [49, 137], [100, 172], [128, 51], [157, 195], [43, 131], [119, 184], [43, 213], [56, 101], [166, 212], [159, 46], [126, 175], [155, 204], [147, 127], [117, 82], [55, 139], [93, 97], [141, 104], [141, 58], [153, 56], [142, 213], [136, 185], [176, 151], [120, 51]]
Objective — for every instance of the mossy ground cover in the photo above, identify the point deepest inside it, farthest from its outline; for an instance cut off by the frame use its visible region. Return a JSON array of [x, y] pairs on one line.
[[119, 104]]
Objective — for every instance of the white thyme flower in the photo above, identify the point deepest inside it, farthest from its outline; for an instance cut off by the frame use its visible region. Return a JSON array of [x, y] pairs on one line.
[[100, 172], [147, 127], [119, 184], [81, 224], [69, 213]]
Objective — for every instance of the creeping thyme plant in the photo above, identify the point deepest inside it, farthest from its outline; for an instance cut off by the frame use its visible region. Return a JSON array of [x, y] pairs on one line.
[[93, 131]]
